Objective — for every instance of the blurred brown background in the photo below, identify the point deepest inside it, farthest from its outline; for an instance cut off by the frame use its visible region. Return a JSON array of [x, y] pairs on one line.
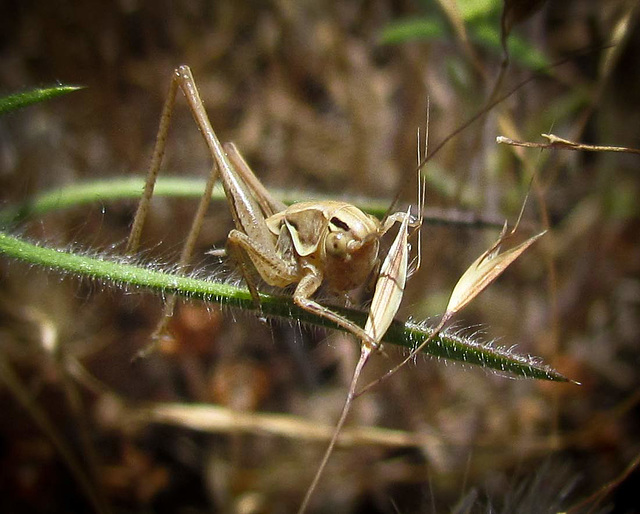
[[319, 101]]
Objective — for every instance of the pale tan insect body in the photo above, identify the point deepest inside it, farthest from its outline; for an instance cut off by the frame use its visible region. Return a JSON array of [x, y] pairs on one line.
[[335, 238]]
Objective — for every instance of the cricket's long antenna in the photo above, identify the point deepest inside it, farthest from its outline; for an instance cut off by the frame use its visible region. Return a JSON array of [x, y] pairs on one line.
[[422, 185], [364, 357], [495, 100]]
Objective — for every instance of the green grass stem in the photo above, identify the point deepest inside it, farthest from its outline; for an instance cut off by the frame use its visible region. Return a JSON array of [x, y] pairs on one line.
[[126, 274]]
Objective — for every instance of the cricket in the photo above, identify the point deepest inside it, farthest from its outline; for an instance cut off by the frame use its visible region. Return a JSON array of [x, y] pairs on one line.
[[308, 244], [312, 244]]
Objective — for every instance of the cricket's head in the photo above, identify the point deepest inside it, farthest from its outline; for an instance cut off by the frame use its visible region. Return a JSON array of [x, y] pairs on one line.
[[351, 247], [340, 239], [350, 232]]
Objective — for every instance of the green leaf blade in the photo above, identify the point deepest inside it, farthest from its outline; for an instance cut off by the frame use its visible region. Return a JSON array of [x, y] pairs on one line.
[[125, 274], [19, 100]]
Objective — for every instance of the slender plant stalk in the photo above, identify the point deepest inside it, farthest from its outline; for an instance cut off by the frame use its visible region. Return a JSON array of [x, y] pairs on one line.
[[118, 189], [123, 272]]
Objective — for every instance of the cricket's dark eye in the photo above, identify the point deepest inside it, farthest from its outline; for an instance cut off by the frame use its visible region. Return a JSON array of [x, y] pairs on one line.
[[339, 223]]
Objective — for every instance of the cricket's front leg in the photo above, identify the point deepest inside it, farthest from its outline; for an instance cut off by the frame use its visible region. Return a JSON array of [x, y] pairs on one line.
[[308, 285]]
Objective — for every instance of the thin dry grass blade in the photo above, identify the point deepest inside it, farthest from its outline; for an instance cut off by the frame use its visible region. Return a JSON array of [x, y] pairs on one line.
[[483, 272], [390, 285]]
